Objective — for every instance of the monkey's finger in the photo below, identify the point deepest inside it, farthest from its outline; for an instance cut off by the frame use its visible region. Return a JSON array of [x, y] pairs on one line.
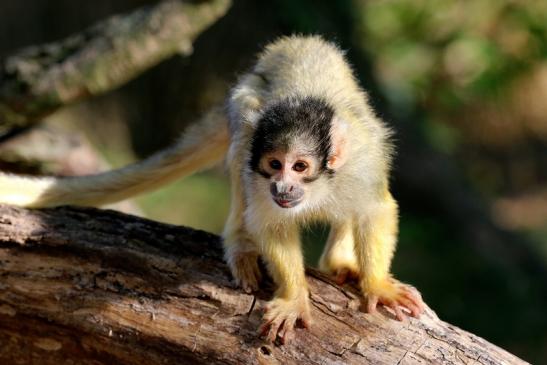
[[275, 326], [286, 333], [305, 319], [342, 276], [414, 310], [398, 312], [413, 294], [264, 328], [372, 302], [268, 319], [393, 305], [415, 300], [288, 336], [269, 330]]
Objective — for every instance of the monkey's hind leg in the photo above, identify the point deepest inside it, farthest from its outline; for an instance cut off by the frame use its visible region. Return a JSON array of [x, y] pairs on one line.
[[338, 258], [375, 237], [240, 251]]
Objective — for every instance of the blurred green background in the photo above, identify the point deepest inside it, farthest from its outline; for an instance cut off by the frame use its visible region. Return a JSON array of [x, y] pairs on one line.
[[464, 85]]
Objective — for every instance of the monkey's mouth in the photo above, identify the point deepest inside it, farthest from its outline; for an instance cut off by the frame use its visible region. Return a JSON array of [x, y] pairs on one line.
[[287, 203]]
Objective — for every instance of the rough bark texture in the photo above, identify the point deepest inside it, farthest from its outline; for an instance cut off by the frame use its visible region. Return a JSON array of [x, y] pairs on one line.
[[40, 79], [86, 286]]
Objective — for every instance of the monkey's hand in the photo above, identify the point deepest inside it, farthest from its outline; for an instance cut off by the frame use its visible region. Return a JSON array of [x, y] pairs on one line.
[[391, 293], [281, 316], [245, 270]]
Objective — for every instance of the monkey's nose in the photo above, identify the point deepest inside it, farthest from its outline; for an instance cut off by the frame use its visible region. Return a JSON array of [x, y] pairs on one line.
[[279, 188]]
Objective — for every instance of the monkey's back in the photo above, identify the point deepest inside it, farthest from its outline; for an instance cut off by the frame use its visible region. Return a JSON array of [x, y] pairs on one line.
[[307, 65]]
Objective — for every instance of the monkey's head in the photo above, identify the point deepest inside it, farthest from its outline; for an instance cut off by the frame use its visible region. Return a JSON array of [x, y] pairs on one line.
[[297, 147]]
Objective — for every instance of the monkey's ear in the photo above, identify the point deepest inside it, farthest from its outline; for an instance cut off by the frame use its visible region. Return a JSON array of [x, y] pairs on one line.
[[339, 139], [250, 119]]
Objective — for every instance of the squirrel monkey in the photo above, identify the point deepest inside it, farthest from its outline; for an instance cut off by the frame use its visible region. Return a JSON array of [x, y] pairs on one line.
[[302, 144]]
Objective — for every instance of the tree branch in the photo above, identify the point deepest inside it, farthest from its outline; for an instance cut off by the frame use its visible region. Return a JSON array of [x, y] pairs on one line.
[[93, 286], [40, 79]]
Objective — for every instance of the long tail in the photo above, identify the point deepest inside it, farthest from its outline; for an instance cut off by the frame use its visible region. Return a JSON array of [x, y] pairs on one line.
[[203, 145]]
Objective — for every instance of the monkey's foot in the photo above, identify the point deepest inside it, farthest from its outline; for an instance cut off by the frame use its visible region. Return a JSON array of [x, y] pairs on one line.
[[281, 316], [342, 271], [245, 270], [340, 263], [344, 275], [401, 298]]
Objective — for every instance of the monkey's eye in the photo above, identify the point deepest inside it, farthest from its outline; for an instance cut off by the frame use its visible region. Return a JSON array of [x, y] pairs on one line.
[[300, 166], [276, 164]]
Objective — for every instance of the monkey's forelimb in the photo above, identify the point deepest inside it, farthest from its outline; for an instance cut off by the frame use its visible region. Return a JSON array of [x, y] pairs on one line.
[[283, 255]]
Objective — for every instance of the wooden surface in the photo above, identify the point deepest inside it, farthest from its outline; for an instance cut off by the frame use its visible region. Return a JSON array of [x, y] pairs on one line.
[[87, 286]]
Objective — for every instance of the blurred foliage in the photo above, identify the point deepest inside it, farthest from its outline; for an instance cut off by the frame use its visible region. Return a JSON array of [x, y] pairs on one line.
[[444, 54]]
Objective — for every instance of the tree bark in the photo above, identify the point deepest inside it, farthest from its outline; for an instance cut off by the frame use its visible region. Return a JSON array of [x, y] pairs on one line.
[[88, 286], [40, 79]]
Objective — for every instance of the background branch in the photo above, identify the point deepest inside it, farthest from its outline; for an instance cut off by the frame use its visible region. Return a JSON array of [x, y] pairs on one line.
[[40, 79]]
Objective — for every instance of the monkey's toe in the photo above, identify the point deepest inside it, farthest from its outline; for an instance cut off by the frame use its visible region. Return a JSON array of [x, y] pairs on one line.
[[404, 300]]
